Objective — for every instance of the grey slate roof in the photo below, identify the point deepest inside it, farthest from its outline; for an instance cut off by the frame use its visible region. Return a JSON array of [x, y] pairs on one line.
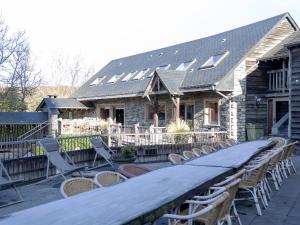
[[23, 117], [63, 103], [281, 51], [237, 41]]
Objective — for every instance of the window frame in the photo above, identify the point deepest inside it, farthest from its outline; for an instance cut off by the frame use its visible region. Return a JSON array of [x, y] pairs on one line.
[[141, 74], [129, 76], [191, 62], [118, 77], [204, 66], [206, 113], [97, 81]]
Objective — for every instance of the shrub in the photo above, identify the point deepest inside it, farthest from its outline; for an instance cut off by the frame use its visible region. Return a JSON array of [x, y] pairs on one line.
[[128, 151], [179, 126]]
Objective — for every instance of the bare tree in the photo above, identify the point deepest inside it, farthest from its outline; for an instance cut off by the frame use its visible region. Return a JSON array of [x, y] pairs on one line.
[[70, 72], [18, 78]]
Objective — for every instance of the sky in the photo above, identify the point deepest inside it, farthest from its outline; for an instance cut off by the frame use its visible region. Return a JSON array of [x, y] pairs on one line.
[[102, 30]]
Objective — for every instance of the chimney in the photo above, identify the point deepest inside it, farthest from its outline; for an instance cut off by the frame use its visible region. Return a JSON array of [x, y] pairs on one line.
[[52, 96]]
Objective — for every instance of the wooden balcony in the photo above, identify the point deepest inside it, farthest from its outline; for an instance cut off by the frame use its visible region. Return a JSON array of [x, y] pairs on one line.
[[278, 80]]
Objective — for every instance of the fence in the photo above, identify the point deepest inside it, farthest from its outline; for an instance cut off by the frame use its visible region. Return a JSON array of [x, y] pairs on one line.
[[160, 138], [26, 159]]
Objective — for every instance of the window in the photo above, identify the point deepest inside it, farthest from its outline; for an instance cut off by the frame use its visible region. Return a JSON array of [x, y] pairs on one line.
[[115, 78], [163, 67], [129, 75], [104, 113], [214, 60], [186, 111], [212, 114], [185, 65], [70, 115], [141, 74], [97, 81], [149, 112]]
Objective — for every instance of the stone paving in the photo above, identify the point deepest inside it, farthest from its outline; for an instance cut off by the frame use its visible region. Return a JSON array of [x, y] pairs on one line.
[[284, 208]]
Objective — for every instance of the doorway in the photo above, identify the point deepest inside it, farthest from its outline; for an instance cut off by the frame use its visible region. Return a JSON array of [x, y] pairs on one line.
[[277, 108]]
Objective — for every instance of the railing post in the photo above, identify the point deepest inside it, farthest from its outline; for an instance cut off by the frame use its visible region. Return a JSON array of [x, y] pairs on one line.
[[136, 132], [109, 135]]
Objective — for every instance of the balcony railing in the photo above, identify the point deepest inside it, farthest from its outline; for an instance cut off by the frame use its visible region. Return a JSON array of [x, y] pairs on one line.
[[278, 80]]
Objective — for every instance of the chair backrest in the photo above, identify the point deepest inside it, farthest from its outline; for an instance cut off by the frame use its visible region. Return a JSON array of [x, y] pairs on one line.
[[214, 209], [231, 189], [291, 149], [254, 175], [101, 148], [188, 154], [51, 149], [280, 142], [108, 178], [223, 144], [206, 149], [75, 186], [176, 159], [197, 151], [230, 142]]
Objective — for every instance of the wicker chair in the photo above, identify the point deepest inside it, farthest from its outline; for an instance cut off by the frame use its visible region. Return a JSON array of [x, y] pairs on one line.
[[231, 188], [74, 186], [223, 144], [280, 142], [207, 212], [252, 183], [273, 167], [207, 149], [286, 160], [231, 142], [108, 178], [188, 155], [197, 151], [176, 159]]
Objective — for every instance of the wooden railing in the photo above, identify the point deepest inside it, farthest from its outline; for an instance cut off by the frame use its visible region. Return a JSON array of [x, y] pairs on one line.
[[278, 80]]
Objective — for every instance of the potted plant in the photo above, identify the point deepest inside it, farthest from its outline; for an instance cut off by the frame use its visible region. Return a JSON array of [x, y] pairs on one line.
[[127, 154]]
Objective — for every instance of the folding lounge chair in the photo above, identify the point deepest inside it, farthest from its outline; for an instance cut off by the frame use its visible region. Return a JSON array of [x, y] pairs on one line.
[[102, 150], [51, 149], [6, 181]]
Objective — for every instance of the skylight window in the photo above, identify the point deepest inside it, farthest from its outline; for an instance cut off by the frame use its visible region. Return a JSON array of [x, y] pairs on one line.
[[163, 67], [141, 74], [214, 60], [97, 81], [115, 78], [185, 65], [129, 75]]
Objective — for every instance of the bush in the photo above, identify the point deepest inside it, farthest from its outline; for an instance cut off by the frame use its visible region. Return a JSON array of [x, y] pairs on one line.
[[128, 151], [179, 126]]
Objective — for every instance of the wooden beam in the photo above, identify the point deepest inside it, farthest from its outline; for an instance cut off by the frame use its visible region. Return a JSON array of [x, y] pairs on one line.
[[176, 107]]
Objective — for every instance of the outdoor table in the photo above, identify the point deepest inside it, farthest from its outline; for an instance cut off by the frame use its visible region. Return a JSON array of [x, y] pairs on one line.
[[232, 157], [143, 198], [137, 200]]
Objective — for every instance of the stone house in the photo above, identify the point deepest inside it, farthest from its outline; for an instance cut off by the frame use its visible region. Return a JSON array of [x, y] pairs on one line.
[[222, 82]]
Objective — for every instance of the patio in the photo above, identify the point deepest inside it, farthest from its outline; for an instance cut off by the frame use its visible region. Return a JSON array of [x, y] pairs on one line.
[[283, 209]]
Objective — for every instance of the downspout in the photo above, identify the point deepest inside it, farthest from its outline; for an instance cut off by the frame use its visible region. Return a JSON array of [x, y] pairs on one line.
[[290, 94]]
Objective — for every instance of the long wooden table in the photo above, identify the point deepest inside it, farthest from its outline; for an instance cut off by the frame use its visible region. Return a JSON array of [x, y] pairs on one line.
[[140, 199]]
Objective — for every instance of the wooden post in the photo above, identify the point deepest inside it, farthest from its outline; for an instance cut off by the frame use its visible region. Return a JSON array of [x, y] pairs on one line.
[[109, 136], [176, 108], [136, 131], [155, 109]]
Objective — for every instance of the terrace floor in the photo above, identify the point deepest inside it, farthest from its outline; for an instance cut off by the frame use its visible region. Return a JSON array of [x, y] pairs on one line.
[[284, 208]]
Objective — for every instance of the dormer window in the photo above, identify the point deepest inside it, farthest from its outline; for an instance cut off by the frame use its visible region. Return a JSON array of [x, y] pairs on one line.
[[129, 75], [185, 65], [141, 74], [97, 81], [115, 78], [214, 60]]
